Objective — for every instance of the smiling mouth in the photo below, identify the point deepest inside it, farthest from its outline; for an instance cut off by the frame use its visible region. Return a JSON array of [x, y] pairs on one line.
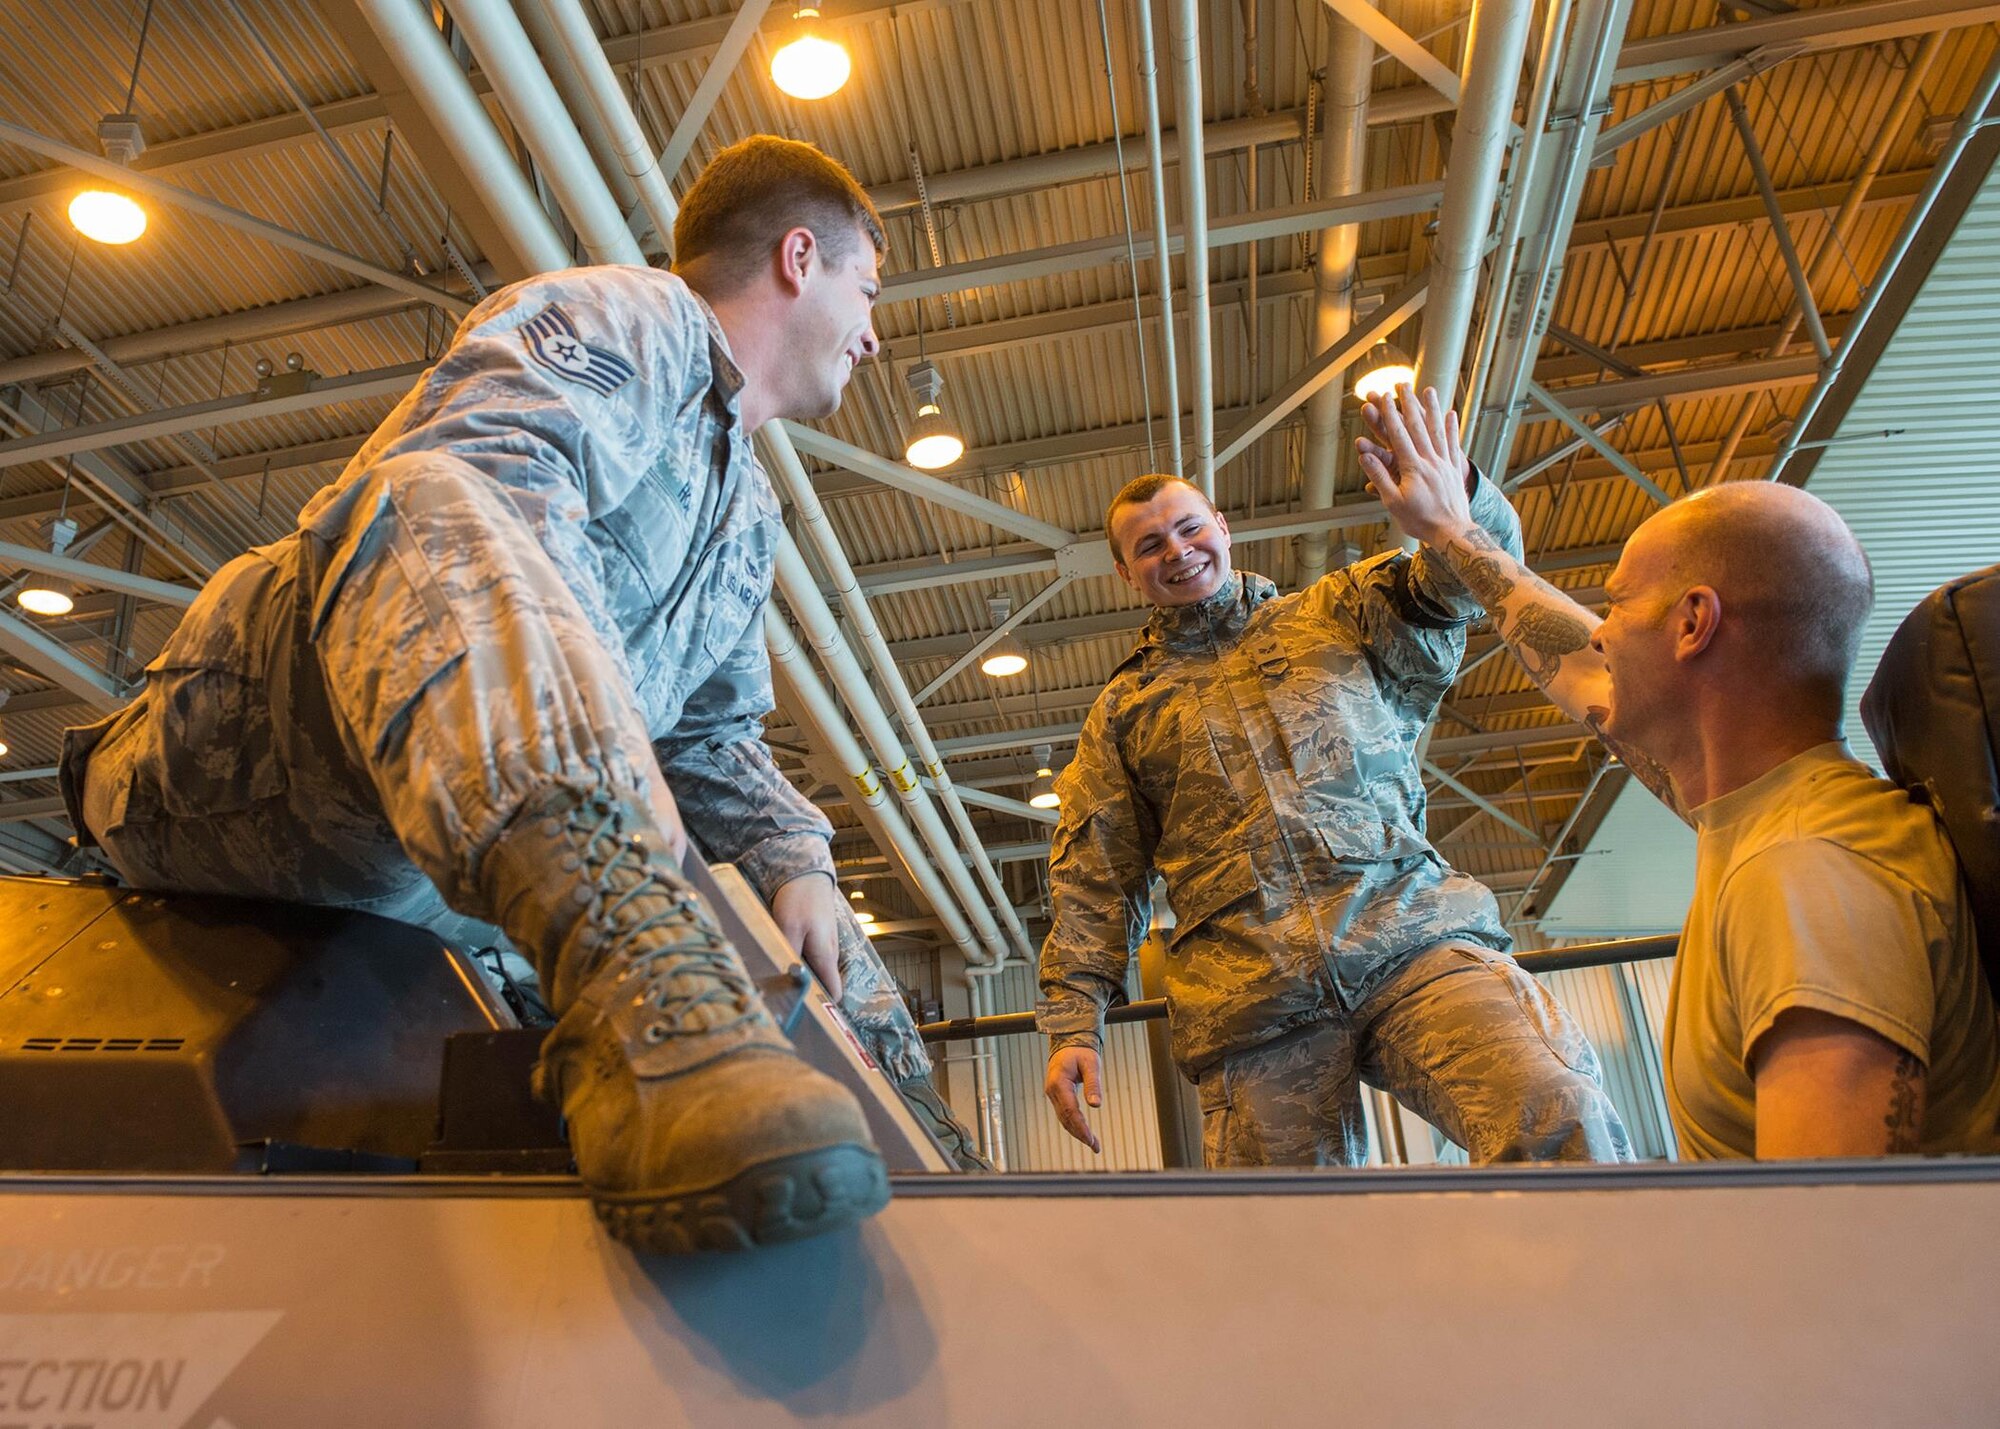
[[1187, 575]]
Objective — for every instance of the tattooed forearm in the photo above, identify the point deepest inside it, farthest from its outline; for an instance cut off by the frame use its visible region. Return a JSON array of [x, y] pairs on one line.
[[1541, 637], [1485, 577], [1906, 1105], [1649, 772]]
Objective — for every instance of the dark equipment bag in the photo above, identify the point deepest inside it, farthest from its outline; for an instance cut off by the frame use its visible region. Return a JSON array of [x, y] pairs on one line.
[[1933, 710]]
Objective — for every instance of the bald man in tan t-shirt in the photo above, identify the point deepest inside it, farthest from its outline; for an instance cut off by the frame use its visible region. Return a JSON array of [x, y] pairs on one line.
[[1827, 1000]]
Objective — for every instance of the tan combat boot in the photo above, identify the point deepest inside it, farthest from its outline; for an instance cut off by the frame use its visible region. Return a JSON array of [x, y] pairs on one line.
[[694, 1124]]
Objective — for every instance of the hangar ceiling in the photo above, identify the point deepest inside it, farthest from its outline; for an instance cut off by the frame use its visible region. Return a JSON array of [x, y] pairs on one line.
[[1688, 202]]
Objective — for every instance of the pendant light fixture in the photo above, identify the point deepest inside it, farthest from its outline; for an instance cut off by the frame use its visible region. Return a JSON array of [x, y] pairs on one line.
[[108, 215], [1042, 792], [1004, 658], [810, 66], [51, 595], [933, 442], [1383, 370]]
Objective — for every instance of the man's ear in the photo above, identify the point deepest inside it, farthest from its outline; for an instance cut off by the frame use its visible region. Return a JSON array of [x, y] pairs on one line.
[[798, 258], [1123, 574], [1697, 619], [1221, 521]]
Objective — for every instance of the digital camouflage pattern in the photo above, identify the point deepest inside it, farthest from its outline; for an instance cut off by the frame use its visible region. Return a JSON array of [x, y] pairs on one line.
[[546, 567], [1259, 751], [1469, 1041]]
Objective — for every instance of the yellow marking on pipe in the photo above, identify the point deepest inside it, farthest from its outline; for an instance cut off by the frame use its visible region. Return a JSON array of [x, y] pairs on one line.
[[903, 779]]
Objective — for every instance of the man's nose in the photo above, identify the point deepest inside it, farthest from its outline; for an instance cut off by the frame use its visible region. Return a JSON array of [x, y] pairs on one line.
[[870, 344], [1597, 640]]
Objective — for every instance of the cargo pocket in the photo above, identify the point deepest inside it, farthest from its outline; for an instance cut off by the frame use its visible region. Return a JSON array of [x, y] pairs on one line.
[[208, 746], [216, 753], [1210, 886], [1545, 1017], [382, 623]]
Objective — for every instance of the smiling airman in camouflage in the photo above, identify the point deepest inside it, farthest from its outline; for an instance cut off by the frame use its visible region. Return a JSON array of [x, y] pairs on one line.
[[1258, 752]]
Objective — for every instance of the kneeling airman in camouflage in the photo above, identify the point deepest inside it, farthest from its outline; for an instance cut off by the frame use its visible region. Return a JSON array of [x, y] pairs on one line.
[[1259, 752], [510, 649]]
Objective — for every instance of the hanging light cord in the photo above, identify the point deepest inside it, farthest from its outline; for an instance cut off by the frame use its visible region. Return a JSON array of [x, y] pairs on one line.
[[145, 25], [1131, 247]]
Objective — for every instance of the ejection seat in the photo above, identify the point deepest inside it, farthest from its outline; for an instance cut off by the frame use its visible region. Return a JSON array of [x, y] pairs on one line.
[[1933, 710]]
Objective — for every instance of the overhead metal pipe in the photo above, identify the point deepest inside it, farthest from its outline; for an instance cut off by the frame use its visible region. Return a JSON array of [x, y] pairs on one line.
[[1156, 177], [1582, 90], [793, 482], [1495, 43], [1520, 175], [504, 52], [446, 95], [821, 719], [563, 71], [1343, 160], [1194, 219], [822, 632], [570, 28]]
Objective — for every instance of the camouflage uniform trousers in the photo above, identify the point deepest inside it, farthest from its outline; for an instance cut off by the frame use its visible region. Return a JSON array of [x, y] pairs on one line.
[[1461, 1035], [352, 718]]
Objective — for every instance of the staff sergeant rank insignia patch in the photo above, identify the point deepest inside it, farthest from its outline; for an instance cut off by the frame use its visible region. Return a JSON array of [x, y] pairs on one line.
[[553, 343]]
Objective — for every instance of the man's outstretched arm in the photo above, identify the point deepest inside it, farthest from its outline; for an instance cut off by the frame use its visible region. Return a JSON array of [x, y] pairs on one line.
[[1414, 465]]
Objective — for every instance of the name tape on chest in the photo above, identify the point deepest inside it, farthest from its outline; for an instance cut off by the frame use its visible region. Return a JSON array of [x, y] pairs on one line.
[[553, 342]]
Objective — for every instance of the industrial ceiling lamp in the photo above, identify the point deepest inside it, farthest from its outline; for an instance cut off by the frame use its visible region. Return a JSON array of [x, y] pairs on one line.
[[51, 595], [811, 66], [1042, 793], [106, 215], [933, 443], [3, 735], [1383, 370], [1004, 657]]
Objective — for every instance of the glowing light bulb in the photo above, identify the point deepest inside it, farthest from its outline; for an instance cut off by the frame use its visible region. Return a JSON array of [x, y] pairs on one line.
[[107, 217], [1383, 370], [48, 596], [811, 66]]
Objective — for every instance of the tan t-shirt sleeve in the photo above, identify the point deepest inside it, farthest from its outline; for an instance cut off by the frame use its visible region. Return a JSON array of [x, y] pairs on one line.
[[1810, 924]]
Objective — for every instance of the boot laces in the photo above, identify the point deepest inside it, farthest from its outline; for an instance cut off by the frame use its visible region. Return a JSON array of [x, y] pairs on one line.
[[679, 974]]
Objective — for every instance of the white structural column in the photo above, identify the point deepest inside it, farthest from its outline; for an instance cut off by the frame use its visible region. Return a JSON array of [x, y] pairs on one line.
[[1385, 32], [418, 49], [494, 31], [791, 476], [822, 632], [1149, 73], [1343, 160], [1582, 88], [805, 692], [570, 29], [1194, 191], [1493, 51]]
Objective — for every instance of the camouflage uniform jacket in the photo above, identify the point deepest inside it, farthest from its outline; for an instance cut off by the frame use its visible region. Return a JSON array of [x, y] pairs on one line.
[[1259, 751], [604, 401]]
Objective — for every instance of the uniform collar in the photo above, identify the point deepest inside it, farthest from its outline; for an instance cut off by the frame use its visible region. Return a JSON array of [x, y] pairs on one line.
[[1220, 616], [726, 377]]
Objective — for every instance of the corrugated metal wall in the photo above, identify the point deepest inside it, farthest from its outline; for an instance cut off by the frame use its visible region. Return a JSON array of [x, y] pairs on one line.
[[1925, 503], [1127, 1123]]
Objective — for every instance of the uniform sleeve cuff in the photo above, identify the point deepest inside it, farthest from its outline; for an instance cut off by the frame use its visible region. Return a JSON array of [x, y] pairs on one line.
[[778, 860], [1071, 1024]]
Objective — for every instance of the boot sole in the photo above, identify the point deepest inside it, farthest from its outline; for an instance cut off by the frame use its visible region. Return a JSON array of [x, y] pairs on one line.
[[777, 1201]]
